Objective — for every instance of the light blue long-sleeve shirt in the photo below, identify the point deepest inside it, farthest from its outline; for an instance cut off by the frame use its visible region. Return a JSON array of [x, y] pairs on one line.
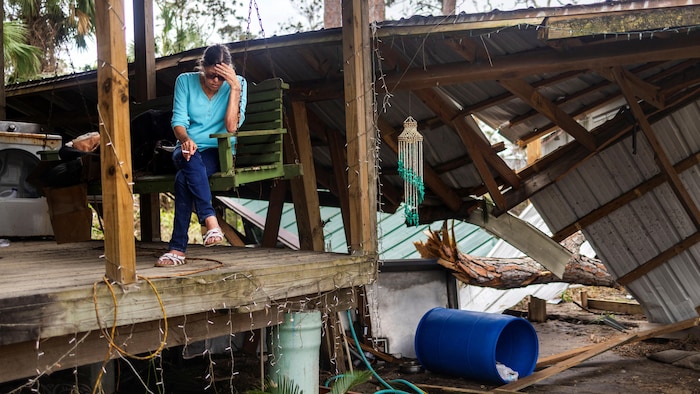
[[200, 115]]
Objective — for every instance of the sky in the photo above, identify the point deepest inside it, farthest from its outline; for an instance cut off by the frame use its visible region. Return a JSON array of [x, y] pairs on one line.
[[276, 12]]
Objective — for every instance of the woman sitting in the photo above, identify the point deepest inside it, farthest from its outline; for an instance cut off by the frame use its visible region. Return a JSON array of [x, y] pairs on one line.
[[208, 101]]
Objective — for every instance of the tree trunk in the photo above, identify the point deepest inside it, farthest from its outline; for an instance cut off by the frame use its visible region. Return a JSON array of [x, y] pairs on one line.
[[332, 12], [377, 10], [507, 273], [448, 7]]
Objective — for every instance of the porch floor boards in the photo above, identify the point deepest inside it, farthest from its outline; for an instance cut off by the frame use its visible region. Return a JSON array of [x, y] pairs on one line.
[[50, 291]]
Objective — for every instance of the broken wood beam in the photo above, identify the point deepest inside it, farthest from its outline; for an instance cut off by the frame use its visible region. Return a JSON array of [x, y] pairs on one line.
[[568, 363], [563, 361], [624, 307]]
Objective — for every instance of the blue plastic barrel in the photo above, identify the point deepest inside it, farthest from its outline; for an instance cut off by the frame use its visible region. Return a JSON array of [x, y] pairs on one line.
[[469, 344]]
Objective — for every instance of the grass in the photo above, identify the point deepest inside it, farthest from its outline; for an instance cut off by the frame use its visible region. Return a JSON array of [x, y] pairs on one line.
[[167, 214]]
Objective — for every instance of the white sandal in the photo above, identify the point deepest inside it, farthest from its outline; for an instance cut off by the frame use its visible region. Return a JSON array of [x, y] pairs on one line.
[[170, 260], [212, 234]]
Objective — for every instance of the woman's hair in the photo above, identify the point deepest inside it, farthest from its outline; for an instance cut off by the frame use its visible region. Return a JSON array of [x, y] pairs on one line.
[[214, 55]]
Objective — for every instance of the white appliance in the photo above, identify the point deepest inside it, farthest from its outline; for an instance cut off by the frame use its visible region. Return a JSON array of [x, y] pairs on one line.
[[23, 212]]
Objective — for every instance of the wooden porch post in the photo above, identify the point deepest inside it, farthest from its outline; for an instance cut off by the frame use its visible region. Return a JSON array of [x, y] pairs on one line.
[[145, 89], [115, 141], [360, 134], [304, 193]]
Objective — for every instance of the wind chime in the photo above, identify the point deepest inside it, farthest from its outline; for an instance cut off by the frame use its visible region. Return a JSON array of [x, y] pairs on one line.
[[411, 169]]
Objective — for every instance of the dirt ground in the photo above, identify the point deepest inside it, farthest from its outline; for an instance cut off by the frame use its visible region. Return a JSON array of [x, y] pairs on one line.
[[625, 369]]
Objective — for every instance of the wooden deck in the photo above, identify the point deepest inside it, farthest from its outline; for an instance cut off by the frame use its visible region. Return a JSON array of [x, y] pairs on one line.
[[57, 311]]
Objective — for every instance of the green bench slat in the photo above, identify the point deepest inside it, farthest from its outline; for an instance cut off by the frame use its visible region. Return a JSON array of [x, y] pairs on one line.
[[273, 115], [262, 107]]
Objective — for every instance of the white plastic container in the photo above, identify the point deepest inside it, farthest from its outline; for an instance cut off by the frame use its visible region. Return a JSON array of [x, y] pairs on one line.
[[23, 213], [25, 217]]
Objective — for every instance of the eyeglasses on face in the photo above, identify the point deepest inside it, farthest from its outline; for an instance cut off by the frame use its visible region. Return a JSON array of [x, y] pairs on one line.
[[213, 76]]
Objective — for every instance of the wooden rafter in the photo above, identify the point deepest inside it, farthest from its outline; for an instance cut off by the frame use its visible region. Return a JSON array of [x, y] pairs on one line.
[[548, 169], [472, 144], [448, 114], [644, 90], [467, 48], [582, 111], [479, 149], [547, 60], [631, 21], [661, 157], [672, 81], [550, 110]]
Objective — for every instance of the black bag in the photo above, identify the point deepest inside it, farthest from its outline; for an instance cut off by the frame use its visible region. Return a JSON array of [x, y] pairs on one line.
[[152, 142]]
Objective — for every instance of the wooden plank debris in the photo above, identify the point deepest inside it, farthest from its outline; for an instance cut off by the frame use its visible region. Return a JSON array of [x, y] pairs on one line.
[[628, 308], [577, 356]]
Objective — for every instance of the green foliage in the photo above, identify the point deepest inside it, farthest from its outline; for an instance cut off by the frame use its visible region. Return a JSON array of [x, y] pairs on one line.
[[281, 385], [312, 19], [567, 296], [52, 23], [22, 61], [191, 24], [349, 380], [285, 385]]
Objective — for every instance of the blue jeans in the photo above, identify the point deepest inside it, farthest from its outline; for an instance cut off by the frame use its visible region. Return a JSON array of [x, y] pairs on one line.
[[192, 191]]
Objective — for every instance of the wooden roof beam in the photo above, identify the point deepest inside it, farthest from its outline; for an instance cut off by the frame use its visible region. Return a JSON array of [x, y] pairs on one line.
[[642, 89], [479, 149], [446, 111], [628, 24], [547, 60], [550, 110], [467, 48], [661, 157], [542, 131], [548, 169], [473, 144]]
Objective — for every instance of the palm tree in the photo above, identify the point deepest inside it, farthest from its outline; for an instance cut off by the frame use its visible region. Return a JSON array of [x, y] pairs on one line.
[[52, 23], [22, 61], [190, 24]]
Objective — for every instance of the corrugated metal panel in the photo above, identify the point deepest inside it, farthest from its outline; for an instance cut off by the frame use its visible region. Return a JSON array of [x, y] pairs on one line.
[[641, 230], [395, 238]]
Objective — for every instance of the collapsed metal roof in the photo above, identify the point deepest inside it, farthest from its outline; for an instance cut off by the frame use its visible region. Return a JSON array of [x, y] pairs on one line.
[[621, 78]]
